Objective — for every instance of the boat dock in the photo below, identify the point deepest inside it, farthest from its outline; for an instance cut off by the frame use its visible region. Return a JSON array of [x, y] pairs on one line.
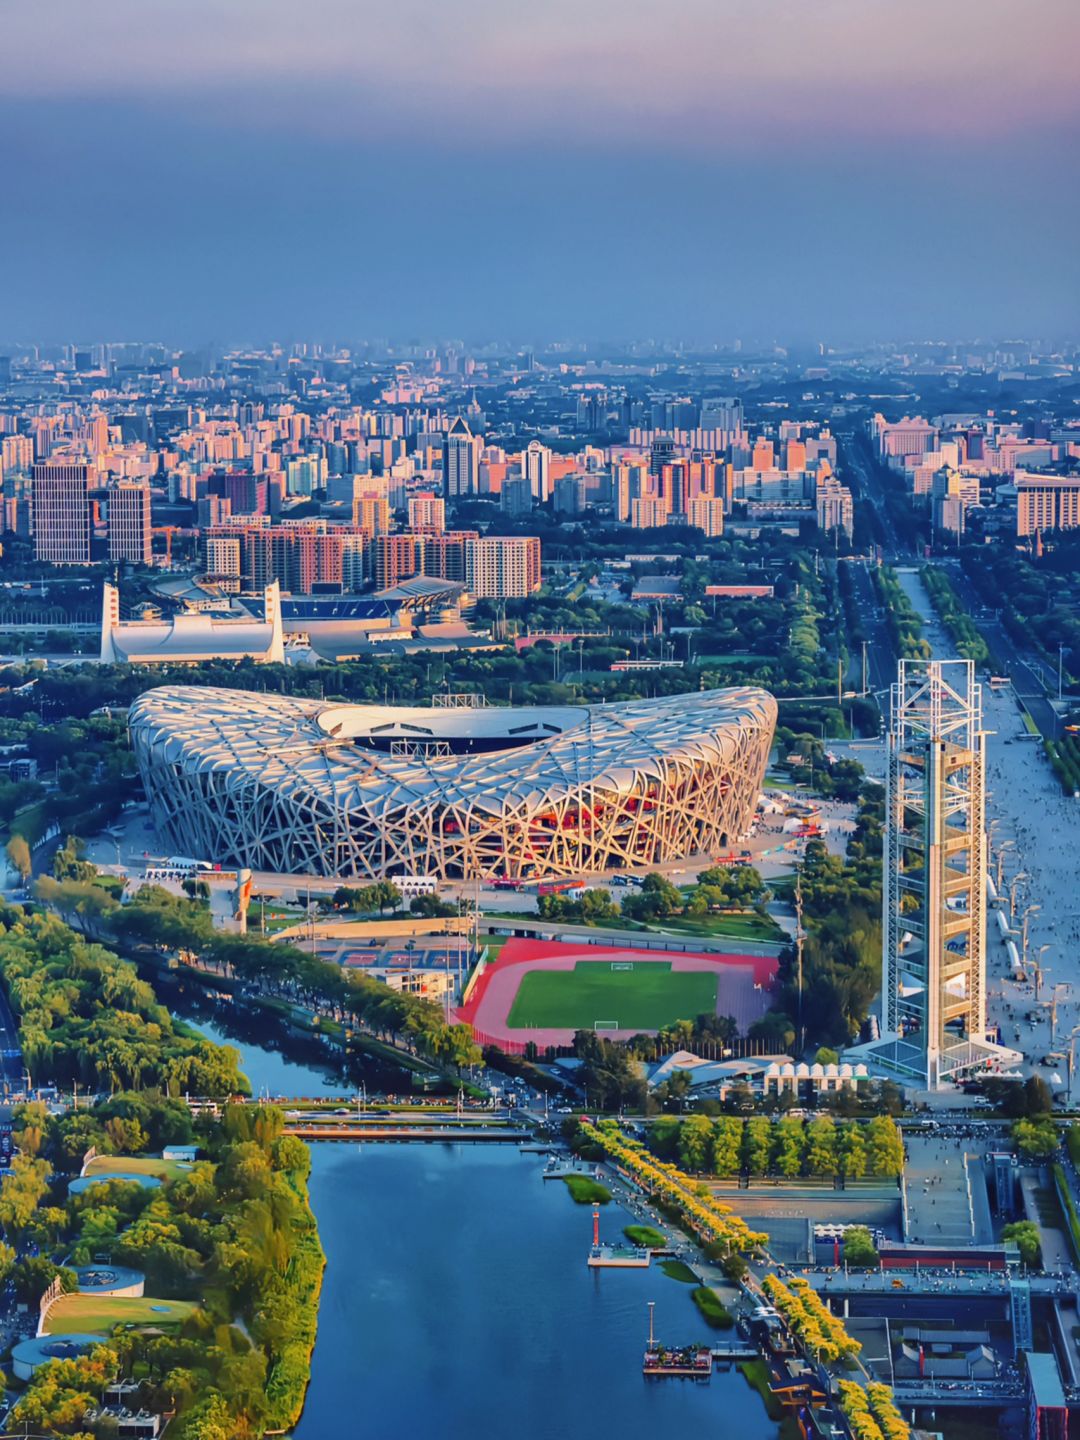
[[679, 1362]]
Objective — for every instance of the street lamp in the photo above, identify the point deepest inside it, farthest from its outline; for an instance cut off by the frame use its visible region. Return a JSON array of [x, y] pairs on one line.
[[1031, 910], [1072, 1056], [1060, 985], [1005, 845]]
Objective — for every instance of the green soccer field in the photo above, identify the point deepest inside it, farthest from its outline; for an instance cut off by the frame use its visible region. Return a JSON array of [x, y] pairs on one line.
[[648, 997]]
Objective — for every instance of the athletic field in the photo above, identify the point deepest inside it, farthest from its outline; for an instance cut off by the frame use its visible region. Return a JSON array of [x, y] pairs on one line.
[[538, 992], [612, 995]]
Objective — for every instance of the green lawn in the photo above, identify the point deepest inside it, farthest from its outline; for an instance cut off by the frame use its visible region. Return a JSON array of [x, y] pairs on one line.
[[100, 1313], [744, 925], [647, 997], [586, 1191], [137, 1165]]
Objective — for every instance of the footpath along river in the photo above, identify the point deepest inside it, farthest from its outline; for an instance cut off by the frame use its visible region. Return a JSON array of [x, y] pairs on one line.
[[457, 1302]]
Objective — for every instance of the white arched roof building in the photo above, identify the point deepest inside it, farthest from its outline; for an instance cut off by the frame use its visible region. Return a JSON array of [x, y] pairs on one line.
[[300, 786]]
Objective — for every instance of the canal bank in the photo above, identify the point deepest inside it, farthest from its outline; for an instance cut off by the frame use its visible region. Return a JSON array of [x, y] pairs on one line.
[[457, 1302]]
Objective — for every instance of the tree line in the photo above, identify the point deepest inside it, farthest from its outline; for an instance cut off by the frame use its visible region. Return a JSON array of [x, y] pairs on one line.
[[789, 1146]]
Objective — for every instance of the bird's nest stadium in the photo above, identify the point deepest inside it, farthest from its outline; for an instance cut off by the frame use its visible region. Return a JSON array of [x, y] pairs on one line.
[[302, 786]]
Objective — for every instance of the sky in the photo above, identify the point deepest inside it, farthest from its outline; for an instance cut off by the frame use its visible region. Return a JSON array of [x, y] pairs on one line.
[[792, 170]]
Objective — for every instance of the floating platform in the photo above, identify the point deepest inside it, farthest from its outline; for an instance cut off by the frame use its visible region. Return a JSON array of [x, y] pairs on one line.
[[621, 1257], [683, 1362]]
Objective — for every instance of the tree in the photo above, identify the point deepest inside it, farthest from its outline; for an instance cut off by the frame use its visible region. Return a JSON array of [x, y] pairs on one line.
[[827, 1056], [757, 1134], [727, 1146], [1035, 1139], [695, 1143], [821, 1148], [859, 1246], [853, 1161], [18, 854], [787, 1146], [885, 1147], [1025, 1235]]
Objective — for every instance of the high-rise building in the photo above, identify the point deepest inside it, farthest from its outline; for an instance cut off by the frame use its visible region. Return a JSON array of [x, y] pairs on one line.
[[536, 467], [222, 558], [706, 513], [1046, 502], [933, 1024], [427, 511], [127, 509], [461, 460], [503, 567], [61, 511]]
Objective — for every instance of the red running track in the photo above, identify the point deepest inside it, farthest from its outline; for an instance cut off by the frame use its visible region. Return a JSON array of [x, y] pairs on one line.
[[743, 983]]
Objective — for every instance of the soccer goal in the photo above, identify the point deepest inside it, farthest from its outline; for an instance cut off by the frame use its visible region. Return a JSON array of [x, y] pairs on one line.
[[622, 964], [605, 1024]]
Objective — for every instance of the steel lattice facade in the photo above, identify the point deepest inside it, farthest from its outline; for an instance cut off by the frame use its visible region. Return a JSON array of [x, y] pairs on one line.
[[299, 786]]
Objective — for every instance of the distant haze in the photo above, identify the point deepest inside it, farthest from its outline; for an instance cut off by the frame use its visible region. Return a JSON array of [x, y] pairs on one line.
[[704, 169]]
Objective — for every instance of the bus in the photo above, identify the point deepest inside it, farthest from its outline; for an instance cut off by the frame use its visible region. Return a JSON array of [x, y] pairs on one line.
[[999, 682]]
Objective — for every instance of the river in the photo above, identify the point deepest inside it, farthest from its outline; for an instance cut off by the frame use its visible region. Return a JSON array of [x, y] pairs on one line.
[[457, 1302]]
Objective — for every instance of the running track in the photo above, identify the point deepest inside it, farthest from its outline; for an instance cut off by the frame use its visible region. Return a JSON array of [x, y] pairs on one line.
[[742, 989]]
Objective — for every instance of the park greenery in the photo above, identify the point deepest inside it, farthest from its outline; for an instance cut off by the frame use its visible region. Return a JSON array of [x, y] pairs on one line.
[[1035, 595], [711, 1221], [789, 1146], [155, 923], [905, 627], [584, 1190], [713, 1310], [859, 1247], [871, 1413], [233, 1231], [1024, 1234], [952, 614]]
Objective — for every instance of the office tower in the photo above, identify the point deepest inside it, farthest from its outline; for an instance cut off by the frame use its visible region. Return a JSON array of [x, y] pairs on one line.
[[128, 522], [61, 511], [461, 461], [427, 511], [536, 467], [934, 902]]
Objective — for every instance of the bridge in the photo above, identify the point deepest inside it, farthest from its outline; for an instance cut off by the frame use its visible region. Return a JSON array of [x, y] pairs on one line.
[[963, 1285], [940, 1393]]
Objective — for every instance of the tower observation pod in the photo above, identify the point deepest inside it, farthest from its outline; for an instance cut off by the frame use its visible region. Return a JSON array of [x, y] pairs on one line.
[[933, 998]]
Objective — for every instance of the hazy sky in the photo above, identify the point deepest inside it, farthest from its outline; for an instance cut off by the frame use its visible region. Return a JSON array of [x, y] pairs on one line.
[[804, 169]]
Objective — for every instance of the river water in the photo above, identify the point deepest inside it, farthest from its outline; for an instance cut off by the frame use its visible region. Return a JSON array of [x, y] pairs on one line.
[[457, 1303]]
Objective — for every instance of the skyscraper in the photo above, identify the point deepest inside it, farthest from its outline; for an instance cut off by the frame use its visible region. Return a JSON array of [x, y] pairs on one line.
[[536, 467], [61, 510], [128, 521], [461, 461]]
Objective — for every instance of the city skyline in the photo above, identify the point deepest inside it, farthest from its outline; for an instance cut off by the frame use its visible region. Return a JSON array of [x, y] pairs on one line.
[[774, 171]]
